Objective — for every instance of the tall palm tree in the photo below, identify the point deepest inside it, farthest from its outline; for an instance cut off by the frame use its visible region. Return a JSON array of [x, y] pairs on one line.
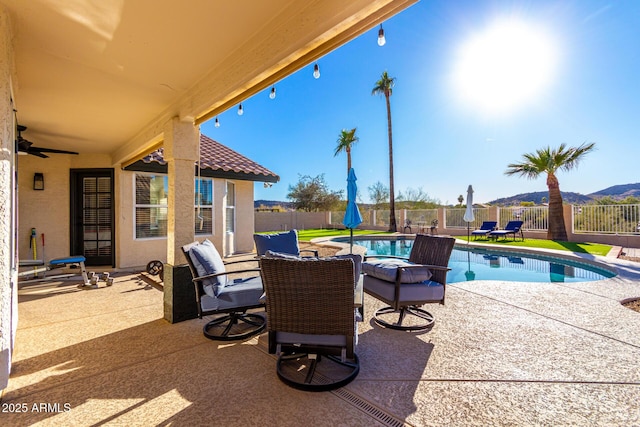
[[550, 161], [384, 86], [346, 139]]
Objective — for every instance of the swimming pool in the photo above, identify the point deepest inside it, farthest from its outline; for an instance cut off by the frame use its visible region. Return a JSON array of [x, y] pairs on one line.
[[487, 264]]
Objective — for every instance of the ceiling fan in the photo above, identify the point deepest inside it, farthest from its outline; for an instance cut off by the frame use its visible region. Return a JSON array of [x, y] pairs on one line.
[[27, 147]]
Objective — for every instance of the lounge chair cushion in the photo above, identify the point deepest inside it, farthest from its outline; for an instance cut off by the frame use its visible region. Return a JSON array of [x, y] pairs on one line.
[[281, 242], [207, 260], [386, 269]]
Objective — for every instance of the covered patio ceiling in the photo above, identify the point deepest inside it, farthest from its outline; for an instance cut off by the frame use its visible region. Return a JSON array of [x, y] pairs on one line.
[[97, 76]]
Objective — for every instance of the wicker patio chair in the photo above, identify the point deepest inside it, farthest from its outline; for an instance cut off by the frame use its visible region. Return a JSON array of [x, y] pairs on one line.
[[217, 293], [407, 285], [311, 321]]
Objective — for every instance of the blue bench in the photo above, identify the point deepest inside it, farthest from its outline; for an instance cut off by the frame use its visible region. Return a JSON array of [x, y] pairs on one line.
[[74, 259]]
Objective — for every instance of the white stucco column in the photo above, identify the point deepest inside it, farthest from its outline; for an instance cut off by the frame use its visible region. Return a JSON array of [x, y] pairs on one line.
[[181, 152], [181, 138]]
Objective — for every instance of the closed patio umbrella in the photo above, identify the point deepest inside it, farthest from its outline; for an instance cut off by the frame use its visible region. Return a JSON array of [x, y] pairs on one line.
[[468, 214], [352, 217]]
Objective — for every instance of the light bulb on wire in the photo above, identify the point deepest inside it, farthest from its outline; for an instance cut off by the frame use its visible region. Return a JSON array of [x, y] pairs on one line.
[[381, 39], [316, 71], [240, 110], [217, 124], [272, 94]]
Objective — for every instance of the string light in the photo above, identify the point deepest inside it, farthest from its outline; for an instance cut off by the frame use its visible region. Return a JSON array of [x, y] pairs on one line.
[[272, 95], [240, 110], [316, 71], [217, 124], [381, 39]]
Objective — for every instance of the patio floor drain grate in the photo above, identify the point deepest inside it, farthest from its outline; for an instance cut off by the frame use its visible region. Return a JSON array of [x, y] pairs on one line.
[[373, 411]]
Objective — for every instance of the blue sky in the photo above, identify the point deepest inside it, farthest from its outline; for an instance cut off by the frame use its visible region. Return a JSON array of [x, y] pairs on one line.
[[577, 66]]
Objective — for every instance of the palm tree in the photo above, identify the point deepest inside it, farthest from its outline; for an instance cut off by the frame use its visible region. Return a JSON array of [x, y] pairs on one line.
[[550, 161], [384, 86], [345, 141]]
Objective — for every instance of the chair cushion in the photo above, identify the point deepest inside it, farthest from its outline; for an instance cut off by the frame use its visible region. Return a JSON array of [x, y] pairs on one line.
[[272, 254], [311, 339], [207, 260], [415, 293], [241, 292], [386, 269], [281, 242]]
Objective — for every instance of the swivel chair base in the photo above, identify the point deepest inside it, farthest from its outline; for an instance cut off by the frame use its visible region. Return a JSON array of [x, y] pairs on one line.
[[384, 317], [234, 326], [316, 372]]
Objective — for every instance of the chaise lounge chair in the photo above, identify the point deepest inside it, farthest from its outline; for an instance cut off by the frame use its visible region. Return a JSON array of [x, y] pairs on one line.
[[512, 227], [485, 228]]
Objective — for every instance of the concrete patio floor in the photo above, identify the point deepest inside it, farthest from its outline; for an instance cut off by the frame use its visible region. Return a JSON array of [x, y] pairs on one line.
[[500, 353]]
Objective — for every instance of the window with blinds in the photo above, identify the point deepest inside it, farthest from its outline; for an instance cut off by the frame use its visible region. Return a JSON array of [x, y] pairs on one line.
[[151, 205], [204, 206]]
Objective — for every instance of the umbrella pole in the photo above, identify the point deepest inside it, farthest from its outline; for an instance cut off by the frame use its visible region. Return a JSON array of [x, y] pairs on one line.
[[468, 235], [351, 240]]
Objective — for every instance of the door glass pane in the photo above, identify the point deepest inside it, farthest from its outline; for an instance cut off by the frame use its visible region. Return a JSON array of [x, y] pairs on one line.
[[104, 185], [90, 200], [97, 218]]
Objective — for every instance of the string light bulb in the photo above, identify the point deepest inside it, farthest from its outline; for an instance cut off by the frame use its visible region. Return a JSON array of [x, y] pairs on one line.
[[240, 110], [217, 124], [316, 71], [272, 95], [381, 39]]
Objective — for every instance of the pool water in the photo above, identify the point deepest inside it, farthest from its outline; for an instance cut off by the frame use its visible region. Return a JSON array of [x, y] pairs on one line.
[[480, 264]]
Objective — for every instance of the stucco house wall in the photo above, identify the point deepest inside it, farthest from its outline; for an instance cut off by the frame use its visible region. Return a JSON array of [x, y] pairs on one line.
[[8, 290], [48, 212], [133, 252]]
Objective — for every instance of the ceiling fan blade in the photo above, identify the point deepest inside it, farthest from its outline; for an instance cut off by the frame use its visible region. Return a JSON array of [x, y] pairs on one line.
[[37, 154], [50, 150]]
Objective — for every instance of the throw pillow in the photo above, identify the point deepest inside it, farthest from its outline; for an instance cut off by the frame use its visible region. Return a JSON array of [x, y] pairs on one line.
[[281, 242], [210, 263]]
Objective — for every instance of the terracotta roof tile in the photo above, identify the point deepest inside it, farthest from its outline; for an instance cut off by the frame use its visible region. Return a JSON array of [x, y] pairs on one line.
[[218, 157]]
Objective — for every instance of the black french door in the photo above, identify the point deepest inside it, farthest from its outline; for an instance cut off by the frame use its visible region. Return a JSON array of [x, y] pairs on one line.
[[92, 216]]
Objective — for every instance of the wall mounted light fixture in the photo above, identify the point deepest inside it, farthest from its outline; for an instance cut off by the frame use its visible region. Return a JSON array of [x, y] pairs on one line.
[[38, 181]]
